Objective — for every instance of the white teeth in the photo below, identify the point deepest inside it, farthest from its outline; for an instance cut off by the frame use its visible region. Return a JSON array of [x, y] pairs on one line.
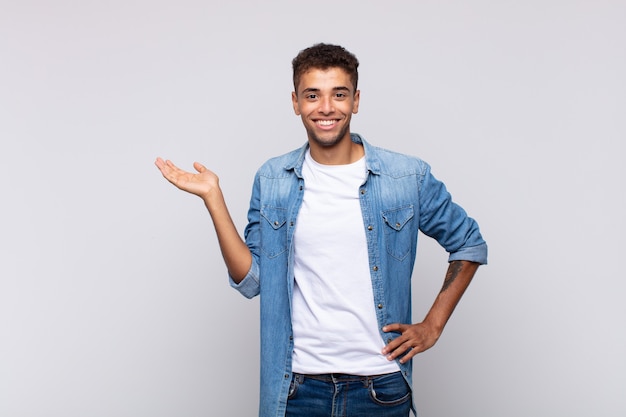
[[326, 122]]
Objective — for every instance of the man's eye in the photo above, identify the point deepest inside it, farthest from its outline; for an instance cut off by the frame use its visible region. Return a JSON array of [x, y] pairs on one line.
[[340, 95], [311, 96]]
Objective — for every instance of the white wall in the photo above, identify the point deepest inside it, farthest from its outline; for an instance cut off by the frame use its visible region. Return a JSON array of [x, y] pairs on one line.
[[113, 296]]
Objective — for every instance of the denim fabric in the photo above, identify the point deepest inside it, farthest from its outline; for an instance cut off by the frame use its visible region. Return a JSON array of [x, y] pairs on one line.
[[338, 395], [399, 198]]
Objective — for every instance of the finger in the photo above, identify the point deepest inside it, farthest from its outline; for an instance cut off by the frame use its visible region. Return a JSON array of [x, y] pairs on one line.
[[409, 355], [400, 350], [395, 327], [173, 171], [412, 347], [393, 345], [171, 165], [166, 171], [160, 163]]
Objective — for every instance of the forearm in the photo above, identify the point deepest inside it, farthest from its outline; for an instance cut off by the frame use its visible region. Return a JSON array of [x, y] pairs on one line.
[[205, 184], [235, 252], [416, 338], [457, 279]]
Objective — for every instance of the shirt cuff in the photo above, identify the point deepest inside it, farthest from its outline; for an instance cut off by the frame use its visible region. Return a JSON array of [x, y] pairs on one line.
[[473, 254], [249, 285]]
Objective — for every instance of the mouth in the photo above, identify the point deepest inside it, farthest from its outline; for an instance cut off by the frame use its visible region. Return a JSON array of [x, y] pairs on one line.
[[326, 123]]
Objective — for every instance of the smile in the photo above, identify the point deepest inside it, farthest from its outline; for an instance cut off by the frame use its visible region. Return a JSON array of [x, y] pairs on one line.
[[326, 122]]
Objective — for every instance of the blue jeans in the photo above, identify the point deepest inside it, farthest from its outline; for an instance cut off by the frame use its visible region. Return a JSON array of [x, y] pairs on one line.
[[341, 395]]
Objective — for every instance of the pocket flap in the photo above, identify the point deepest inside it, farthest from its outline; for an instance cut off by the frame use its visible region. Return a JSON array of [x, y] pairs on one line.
[[276, 217], [397, 218]]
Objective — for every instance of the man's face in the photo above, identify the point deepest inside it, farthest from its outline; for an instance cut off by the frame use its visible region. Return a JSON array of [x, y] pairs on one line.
[[326, 100]]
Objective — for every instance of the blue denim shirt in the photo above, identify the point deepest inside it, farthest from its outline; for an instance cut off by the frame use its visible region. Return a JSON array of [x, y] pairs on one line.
[[399, 198]]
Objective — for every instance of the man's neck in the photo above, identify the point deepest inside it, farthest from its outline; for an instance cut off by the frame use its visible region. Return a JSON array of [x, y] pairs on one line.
[[342, 153]]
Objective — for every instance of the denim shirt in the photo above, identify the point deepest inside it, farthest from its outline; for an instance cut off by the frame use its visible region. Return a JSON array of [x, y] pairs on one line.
[[398, 198]]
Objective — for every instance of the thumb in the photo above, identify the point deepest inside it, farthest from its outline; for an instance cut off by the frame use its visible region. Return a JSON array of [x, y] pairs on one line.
[[199, 167]]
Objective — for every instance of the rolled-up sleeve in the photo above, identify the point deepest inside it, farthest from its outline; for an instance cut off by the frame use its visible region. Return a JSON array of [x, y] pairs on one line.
[[473, 253], [250, 285], [448, 223]]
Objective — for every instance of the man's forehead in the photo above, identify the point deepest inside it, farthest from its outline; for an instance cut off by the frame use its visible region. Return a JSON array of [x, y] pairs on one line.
[[335, 78]]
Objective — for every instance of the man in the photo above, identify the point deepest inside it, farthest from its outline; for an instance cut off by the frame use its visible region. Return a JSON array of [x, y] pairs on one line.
[[330, 247]]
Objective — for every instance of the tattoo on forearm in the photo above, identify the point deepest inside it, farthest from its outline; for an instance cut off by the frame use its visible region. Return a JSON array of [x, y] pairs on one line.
[[453, 271]]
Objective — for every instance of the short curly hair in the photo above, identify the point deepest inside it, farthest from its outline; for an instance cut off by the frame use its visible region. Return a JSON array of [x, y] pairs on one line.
[[324, 56]]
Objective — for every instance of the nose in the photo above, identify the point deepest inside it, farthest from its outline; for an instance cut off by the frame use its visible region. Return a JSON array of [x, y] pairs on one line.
[[326, 105]]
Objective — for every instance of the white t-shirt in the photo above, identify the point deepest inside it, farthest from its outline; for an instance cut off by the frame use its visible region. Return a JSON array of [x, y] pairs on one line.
[[334, 321]]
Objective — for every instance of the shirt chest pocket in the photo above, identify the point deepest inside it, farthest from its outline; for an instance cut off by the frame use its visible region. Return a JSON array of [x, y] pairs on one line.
[[273, 231], [398, 231]]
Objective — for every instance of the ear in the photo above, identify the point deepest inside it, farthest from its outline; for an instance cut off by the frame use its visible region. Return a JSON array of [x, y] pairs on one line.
[[357, 98], [294, 101]]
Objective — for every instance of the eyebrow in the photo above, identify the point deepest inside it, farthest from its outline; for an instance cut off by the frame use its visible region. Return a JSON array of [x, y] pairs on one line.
[[315, 90]]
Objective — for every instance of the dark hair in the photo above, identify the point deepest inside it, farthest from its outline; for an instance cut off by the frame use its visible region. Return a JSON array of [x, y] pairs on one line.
[[324, 56]]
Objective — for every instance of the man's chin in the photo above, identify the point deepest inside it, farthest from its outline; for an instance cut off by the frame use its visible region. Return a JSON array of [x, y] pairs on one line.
[[327, 141]]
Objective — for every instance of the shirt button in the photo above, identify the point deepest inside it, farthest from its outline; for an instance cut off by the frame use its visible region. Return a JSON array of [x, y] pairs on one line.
[[362, 192], [380, 306], [375, 268], [275, 223], [286, 376], [370, 227], [398, 225]]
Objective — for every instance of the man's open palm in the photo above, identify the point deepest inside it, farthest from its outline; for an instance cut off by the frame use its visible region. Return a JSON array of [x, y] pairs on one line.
[[200, 183]]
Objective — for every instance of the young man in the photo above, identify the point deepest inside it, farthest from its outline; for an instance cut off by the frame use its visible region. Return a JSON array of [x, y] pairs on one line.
[[330, 247]]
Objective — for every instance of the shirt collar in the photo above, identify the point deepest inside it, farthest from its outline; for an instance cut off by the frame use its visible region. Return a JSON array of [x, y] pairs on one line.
[[372, 164]]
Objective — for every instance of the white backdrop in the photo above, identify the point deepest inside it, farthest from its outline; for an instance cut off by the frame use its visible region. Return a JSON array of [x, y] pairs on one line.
[[113, 296]]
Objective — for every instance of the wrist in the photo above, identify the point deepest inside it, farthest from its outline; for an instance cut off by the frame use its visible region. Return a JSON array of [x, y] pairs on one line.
[[213, 198], [434, 324]]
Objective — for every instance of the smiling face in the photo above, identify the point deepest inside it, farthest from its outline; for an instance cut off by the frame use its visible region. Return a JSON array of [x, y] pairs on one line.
[[325, 99]]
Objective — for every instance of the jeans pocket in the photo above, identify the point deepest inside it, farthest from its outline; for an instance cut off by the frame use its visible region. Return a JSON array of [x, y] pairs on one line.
[[293, 387], [389, 390]]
